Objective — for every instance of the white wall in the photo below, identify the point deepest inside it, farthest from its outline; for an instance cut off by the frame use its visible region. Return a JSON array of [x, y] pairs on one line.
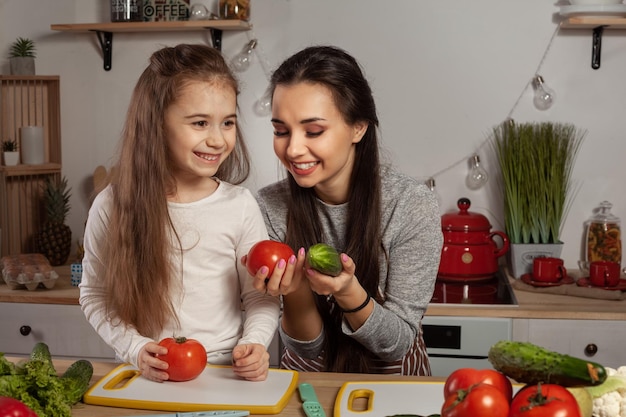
[[444, 72]]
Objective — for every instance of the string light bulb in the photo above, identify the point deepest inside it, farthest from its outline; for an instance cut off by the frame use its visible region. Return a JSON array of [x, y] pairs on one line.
[[263, 106], [430, 183], [544, 95], [477, 176], [241, 61]]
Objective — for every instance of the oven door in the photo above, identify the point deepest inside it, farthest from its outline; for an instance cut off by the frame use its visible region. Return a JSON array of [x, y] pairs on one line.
[[462, 342]]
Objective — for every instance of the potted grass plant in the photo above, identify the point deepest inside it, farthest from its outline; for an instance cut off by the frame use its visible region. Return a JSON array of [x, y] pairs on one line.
[[22, 57], [536, 161], [10, 152]]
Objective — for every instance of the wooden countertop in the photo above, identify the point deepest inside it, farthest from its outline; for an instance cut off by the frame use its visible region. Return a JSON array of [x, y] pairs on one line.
[[326, 387], [531, 305]]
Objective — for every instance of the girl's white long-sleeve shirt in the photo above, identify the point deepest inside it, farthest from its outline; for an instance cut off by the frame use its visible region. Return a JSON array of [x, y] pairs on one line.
[[210, 285]]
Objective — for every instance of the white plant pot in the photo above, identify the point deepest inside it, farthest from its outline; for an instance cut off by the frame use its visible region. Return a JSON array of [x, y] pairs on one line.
[[521, 255], [11, 158]]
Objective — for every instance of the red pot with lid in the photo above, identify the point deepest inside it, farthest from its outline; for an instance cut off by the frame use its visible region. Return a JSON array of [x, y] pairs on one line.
[[470, 249]]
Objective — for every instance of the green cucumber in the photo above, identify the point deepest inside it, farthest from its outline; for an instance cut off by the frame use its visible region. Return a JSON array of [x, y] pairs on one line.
[[75, 380], [527, 363], [325, 259]]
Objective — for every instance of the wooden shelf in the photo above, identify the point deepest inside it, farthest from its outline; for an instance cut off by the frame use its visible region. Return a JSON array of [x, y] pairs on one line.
[[21, 169], [591, 22], [105, 31], [171, 26]]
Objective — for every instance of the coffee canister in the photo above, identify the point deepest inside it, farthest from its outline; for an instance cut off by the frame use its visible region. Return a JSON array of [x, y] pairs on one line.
[[126, 10]]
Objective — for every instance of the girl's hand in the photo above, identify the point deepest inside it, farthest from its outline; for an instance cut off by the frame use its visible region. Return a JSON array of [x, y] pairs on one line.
[[251, 362], [150, 366]]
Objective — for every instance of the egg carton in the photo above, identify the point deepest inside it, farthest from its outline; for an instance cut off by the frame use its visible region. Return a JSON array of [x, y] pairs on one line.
[[30, 271]]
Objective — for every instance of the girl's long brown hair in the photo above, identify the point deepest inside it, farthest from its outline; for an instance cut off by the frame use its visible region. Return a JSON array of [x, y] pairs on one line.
[[342, 75], [138, 247]]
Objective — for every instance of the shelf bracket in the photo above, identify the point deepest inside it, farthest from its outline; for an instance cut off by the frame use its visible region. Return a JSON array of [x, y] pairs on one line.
[[596, 47], [216, 38], [106, 43]]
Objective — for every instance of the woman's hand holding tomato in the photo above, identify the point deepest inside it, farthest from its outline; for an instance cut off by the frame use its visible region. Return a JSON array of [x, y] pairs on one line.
[[270, 275], [463, 378], [544, 400]]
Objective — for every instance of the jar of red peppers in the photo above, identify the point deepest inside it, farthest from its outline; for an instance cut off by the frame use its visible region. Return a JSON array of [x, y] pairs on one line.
[[603, 240]]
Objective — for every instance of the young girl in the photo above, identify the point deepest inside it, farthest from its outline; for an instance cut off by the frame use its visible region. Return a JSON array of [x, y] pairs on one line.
[[368, 319], [163, 239]]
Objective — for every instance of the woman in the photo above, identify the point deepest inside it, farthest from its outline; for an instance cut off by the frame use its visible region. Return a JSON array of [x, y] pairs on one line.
[[387, 226]]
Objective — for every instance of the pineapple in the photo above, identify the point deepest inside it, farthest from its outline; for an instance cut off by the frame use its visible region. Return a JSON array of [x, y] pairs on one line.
[[54, 240]]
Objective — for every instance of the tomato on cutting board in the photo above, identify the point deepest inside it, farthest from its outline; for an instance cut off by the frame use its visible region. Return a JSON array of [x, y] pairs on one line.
[[544, 400], [186, 358], [267, 253], [10, 407], [463, 378]]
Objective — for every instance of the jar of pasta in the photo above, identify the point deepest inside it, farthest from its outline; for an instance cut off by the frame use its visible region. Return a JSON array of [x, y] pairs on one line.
[[234, 9], [603, 240]]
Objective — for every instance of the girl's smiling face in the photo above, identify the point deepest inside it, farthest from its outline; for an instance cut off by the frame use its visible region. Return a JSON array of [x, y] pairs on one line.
[[201, 132], [312, 139]]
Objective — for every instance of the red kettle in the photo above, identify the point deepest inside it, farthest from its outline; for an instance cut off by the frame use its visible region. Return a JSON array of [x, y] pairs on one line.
[[469, 251]]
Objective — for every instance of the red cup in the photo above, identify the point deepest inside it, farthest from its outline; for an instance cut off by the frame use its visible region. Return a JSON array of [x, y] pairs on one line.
[[604, 273], [548, 269]]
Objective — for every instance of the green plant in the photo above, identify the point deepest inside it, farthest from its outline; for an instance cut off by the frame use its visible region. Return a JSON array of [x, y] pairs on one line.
[[9, 146], [536, 162], [22, 47]]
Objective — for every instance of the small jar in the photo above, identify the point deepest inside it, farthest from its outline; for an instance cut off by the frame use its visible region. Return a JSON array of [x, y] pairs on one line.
[[234, 9], [603, 240], [126, 10]]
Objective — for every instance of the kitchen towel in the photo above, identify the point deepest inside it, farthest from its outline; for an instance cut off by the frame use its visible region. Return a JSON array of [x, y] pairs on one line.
[[571, 290]]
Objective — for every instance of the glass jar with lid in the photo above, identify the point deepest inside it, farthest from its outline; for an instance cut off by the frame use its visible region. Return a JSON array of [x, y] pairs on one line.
[[234, 9], [603, 240]]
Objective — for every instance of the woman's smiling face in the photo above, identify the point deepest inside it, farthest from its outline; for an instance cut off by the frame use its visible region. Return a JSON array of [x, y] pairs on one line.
[[312, 139]]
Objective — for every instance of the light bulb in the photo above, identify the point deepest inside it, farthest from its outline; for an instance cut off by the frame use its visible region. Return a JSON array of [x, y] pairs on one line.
[[263, 106], [544, 95], [477, 176], [241, 61], [430, 183], [198, 12]]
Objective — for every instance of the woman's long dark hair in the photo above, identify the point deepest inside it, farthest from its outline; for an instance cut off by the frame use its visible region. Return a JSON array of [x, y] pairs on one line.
[[341, 74]]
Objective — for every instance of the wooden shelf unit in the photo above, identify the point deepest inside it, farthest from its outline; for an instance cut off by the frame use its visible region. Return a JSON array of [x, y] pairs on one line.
[[27, 101], [105, 31]]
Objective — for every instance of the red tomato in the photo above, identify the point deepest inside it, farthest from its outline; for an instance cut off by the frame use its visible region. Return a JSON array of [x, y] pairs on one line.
[[10, 407], [465, 377], [267, 253], [478, 400], [186, 357], [544, 400]]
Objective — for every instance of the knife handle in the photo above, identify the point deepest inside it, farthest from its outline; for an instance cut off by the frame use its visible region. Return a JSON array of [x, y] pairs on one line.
[[310, 403]]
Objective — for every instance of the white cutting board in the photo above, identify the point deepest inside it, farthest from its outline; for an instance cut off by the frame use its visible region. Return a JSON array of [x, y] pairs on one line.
[[386, 398], [217, 388]]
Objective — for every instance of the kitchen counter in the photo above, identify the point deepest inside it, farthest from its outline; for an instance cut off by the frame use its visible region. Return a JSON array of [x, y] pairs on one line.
[[326, 387], [531, 305]]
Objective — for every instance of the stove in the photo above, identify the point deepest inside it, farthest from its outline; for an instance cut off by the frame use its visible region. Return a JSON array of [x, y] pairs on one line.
[[491, 291]]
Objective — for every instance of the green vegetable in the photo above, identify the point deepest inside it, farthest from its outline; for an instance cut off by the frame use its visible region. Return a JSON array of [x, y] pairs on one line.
[[531, 364], [76, 379], [35, 382], [41, 352], [325, 259]]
